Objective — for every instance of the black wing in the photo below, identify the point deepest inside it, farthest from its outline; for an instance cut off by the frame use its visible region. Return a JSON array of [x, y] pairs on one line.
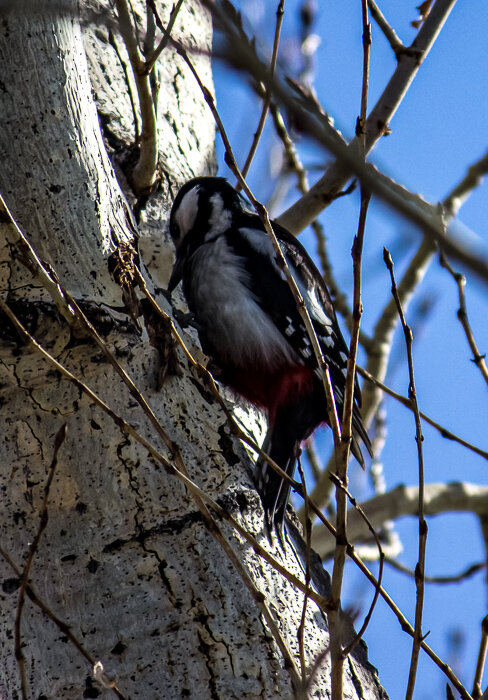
[[270, 288]]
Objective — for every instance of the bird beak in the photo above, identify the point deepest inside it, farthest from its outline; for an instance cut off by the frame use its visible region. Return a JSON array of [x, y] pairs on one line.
[[177, 274]]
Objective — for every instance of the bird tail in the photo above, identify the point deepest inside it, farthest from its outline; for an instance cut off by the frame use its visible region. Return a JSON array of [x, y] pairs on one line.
[[291, 426], [359, 433], [281, 445]]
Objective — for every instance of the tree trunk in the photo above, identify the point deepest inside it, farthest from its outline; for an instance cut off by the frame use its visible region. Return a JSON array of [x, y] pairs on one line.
[[124, 559]]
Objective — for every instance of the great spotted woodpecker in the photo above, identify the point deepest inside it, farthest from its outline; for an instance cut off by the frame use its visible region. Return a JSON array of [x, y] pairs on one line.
[[248, 322]]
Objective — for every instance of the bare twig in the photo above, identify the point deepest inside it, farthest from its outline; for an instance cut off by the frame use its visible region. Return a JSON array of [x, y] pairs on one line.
[[472, 180], [386, 28], [267, 96], [19, 655], [401, 501], [308, 537], [27, 256], [462, 314], [406, 626], [420, 568], [405, 402], [454, 578], [381, 557], [62, 626], [144, 172], [300, 214], [335, 623], [151, 61], [480, 664]]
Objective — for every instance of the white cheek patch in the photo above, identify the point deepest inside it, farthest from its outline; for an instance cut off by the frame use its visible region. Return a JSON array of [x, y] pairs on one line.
[[220, 220], [186, 213]]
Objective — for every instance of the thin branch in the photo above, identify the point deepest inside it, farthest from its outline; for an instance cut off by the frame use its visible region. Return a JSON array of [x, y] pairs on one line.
[[267, 96], [335, 622], [386, 28], [144, 173], [308, 537], [454, 578], [27, 256], [462, 314], [472, 180], [381, 557], [420, 568], [405, 402], [19, 655], [151, 61], [480, 664], [299, 215], [401, 501], [406, 626], [62, 626]]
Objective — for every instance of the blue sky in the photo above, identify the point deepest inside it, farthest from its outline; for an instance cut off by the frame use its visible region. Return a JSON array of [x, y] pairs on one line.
[[439, 130]]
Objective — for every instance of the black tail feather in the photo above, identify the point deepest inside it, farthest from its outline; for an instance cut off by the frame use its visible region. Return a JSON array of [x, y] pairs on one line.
[[294, 424]]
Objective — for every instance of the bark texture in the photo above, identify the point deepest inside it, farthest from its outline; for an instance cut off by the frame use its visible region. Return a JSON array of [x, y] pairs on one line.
[[125, 559]]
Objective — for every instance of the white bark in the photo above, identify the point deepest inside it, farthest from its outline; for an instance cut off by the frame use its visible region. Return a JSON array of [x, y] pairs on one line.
[[125, 559]]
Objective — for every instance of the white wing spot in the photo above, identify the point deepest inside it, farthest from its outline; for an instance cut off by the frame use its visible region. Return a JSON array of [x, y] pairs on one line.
[[290, 329], [343, 356], [316, 308]]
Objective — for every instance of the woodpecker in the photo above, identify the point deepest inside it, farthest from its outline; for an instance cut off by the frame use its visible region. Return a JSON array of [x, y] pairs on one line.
[[248, 323]]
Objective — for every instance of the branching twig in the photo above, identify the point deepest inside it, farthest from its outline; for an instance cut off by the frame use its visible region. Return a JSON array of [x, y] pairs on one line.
[[386, 28], [462, 314], [308, 537], [267, 95], [144, 172], [151, 61], [335, 622], [19, 655], [62, 626], [420, 568], [406, 626], [300, 214], [480, 664], [381, 557], [454, 578]]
